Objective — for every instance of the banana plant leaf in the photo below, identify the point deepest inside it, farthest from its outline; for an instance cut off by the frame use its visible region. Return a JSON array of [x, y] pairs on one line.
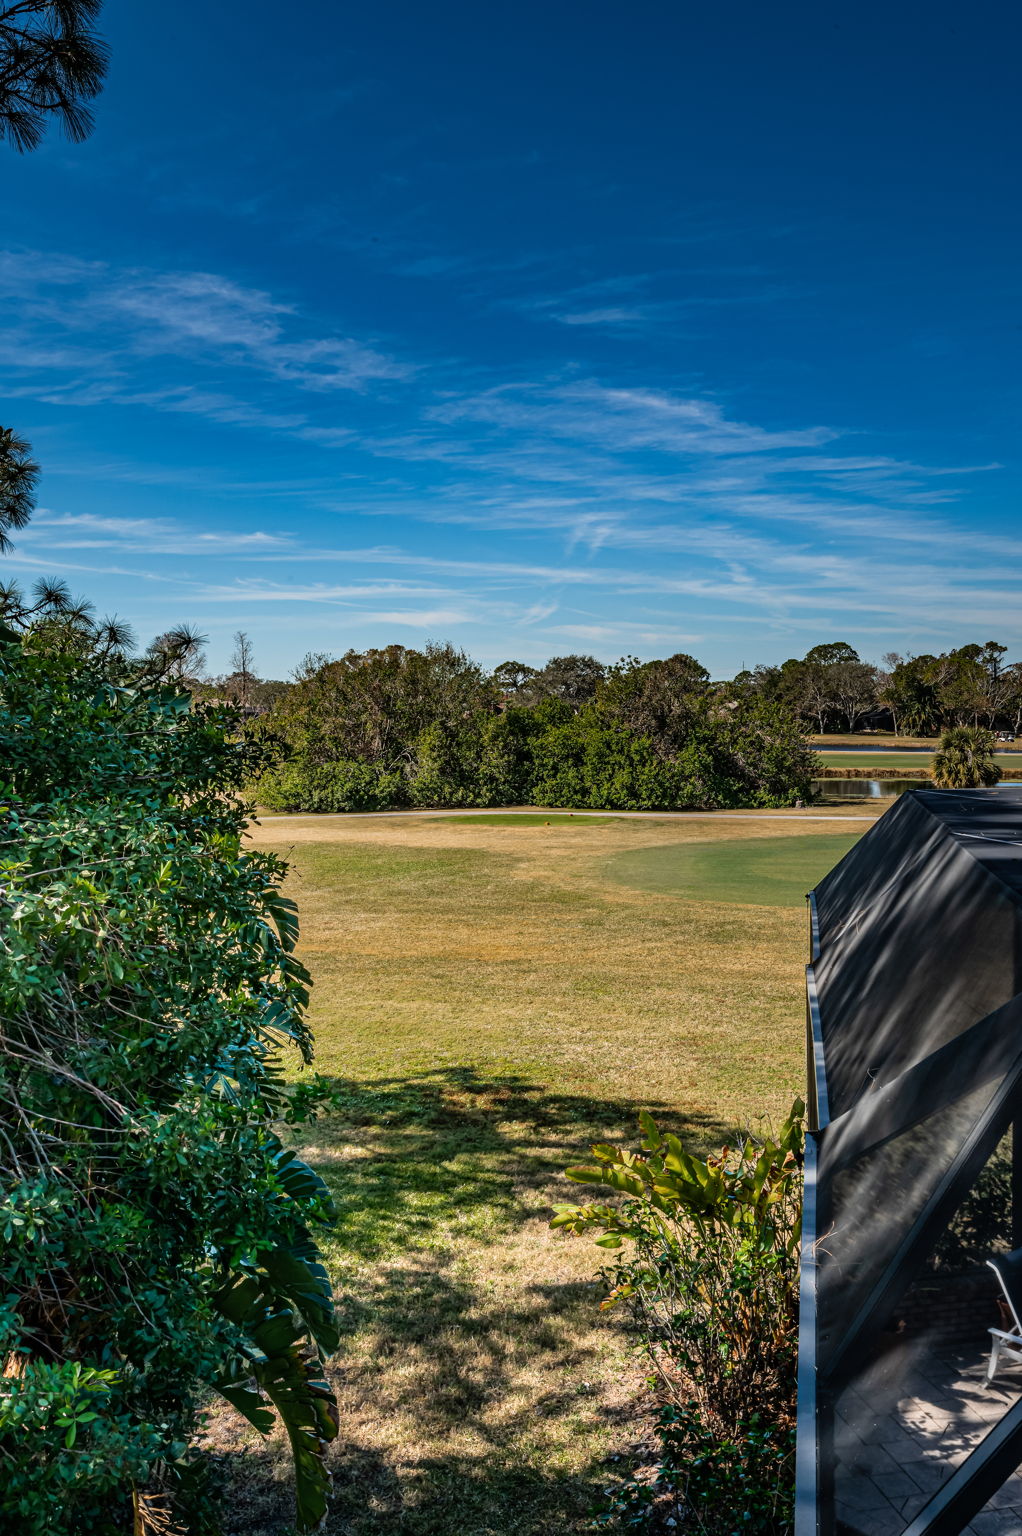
[[284, 1308]]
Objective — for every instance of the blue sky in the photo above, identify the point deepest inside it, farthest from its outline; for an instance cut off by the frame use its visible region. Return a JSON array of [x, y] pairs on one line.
[[540, 328]]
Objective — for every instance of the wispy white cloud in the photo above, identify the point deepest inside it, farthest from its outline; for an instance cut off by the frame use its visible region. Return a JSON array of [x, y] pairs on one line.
[[625, 633], [87, 334], [671, 509], [611, 316], [185, 312], [316, 592], [433, 619], [59, 531], [623, 420], [637, 302]]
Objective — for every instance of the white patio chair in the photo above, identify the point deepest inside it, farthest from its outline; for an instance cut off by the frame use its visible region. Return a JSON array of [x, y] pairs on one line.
[[1008, 1269]]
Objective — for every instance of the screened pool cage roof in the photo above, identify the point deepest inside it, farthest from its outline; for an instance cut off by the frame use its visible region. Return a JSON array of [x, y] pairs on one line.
[[914, 1035]]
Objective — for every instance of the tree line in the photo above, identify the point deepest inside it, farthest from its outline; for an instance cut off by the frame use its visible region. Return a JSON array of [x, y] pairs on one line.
[[392, 727], [395, 727], [831, 689]]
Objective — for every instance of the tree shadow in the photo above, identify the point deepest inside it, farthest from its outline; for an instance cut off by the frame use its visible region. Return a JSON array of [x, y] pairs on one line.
[[479, 1393], [472, 1383], [446, 1364], [439, 1496], [397, 1151]]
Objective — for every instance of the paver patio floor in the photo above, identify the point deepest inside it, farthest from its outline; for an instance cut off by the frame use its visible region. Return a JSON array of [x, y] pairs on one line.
[[903, 1427]]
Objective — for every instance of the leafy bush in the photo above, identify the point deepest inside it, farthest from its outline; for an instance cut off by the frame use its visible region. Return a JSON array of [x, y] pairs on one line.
[[728, 747], [587, 765], [448, 766], [731, 1485], [395, 727], [711, 1276], [486, 759], [506, 760], [982, 1224], [157, 1232], [330, 787]]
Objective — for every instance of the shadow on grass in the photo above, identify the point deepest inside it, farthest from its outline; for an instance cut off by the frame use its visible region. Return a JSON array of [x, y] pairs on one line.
[[452, 1150], [459, 1413], [480, 1391], [488, 1397], [446, 1496]]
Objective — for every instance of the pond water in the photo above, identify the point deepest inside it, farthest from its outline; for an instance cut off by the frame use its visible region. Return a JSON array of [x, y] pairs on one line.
[[866, 789]]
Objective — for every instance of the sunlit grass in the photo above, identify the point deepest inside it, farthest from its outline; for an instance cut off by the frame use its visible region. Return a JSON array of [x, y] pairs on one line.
[[487, 1002], [920, 761], [530, 818], [767, 871]]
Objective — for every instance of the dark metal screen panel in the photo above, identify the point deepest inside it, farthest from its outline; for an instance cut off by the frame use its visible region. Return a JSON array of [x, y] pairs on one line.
[[914, 1044], [918, 941]]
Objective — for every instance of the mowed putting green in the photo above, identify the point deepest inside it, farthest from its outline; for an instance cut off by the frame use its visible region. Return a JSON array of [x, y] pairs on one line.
[[761, 872]]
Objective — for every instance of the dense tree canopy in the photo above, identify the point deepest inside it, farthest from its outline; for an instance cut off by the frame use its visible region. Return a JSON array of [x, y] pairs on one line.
[[829, 689], [832, 689], [372, 706], [573, 679], [963, 687], [157, 1231], [513, 679], [658, 699], [399, 727]]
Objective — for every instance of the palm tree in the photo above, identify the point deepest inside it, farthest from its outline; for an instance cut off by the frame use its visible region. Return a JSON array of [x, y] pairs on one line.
[[178, 654], [18, 476], [51, 63], [964, 759]]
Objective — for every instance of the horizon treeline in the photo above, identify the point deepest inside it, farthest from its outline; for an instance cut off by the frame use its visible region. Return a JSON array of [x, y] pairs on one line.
[[830, 690], [393, 727]]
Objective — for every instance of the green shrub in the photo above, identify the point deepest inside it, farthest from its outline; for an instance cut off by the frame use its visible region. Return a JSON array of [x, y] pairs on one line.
[[156, 1231], [448, 767], [506, 759], [711, 1276], [737, 1484], [330, 787], [584, 765]]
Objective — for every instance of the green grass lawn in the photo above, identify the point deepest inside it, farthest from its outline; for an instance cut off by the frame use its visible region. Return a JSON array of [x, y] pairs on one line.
[[773, 872], [917, 760], [530, 818], [836, 759], [489, 998], [836, 740]]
